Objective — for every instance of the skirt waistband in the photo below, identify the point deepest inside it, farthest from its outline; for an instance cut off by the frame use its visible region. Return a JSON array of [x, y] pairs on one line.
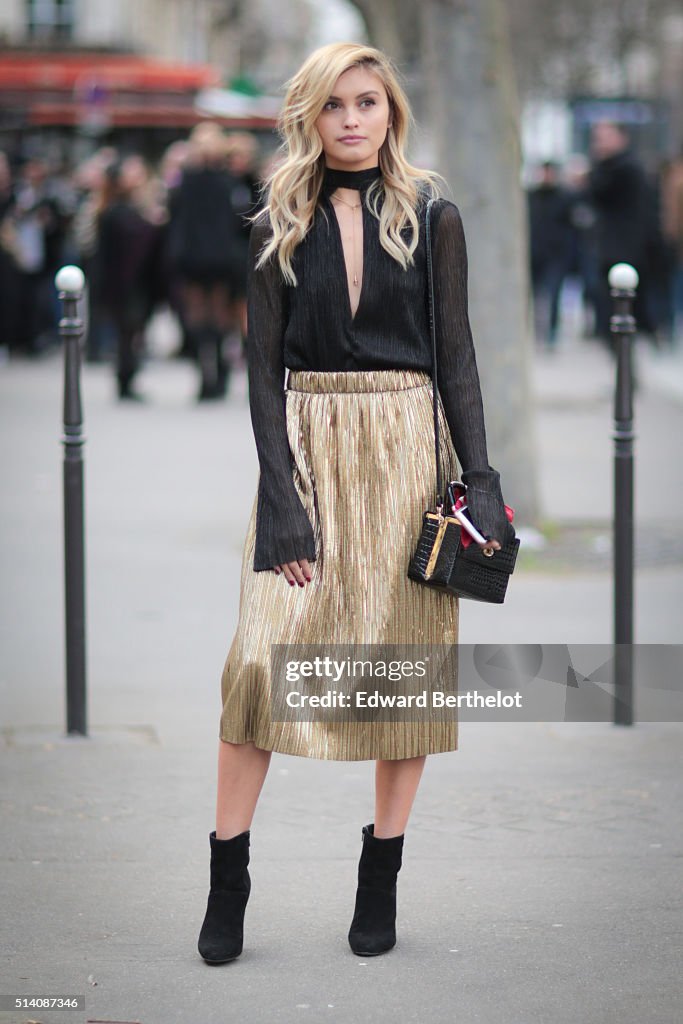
[[357, 380]]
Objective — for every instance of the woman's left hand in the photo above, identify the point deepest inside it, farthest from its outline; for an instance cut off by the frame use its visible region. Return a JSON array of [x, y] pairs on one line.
[[487, 508]]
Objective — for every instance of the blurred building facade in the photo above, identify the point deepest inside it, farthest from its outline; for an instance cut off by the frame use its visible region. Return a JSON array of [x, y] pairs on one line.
[[264, 38], [76, 73]]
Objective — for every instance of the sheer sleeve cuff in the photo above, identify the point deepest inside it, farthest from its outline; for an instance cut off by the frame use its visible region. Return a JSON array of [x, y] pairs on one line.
[[283, 530]]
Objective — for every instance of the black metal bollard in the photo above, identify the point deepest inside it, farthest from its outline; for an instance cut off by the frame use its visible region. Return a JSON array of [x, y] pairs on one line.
[[70, 282], [623, 280]]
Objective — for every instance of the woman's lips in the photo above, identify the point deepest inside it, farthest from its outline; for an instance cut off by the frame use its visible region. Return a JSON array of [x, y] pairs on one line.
[[352, 138]]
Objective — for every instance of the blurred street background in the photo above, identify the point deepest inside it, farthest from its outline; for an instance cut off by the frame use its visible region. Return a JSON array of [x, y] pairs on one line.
[[540, 877]]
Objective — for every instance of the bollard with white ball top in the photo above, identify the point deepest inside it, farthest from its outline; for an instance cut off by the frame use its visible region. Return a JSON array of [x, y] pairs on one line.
[[70, 283], [70, 280], [623, 277], [623, 281]]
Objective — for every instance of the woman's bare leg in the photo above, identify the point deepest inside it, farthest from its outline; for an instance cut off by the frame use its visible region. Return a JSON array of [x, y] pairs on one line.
[[242, 769], [396, 784]]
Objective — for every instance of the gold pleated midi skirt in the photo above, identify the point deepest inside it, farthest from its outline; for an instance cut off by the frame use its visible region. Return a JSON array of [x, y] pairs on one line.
[[364, 468]]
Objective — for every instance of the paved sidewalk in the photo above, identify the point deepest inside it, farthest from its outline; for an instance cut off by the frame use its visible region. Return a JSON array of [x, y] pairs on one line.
[[662, 369], [540, 878]]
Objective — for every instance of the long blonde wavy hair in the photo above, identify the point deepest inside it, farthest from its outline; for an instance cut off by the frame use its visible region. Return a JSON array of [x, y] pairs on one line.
[[293, 187]]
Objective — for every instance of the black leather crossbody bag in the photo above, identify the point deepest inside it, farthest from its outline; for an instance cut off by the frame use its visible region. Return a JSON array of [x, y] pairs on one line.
[[440, 559]]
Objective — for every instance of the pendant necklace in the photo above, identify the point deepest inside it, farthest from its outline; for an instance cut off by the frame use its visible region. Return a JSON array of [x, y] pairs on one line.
[[353, 221]]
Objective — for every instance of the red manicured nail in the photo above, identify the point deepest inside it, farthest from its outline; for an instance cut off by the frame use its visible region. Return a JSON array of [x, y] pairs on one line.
[[301, 584], [291, 583], [309, 578]]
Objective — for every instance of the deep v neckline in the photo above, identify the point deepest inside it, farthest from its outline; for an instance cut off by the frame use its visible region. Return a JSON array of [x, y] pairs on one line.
[[340, 250]]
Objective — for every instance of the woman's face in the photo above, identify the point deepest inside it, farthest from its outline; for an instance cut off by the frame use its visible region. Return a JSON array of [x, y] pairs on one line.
[[354, 120]]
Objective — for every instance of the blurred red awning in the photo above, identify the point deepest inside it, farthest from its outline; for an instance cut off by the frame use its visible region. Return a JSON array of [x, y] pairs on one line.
[[99, 91], [147, 115], [115, 72]]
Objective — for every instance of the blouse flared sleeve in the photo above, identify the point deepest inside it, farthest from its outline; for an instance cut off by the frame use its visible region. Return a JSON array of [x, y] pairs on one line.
[[283, 530], [458, 376]]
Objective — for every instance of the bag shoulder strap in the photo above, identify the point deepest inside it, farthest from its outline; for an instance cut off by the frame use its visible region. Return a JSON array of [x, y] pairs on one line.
[[432, 328]]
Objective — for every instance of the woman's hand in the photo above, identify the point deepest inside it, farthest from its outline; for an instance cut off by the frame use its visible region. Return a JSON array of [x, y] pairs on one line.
[[489, 545], [295, 572], [486, 506]]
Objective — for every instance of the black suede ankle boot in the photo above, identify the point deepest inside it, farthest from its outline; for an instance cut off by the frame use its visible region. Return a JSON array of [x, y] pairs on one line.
[[373, 929], [221, 935], [212, 365]]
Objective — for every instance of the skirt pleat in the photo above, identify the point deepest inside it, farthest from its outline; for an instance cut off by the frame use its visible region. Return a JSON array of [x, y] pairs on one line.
[[363, 448]]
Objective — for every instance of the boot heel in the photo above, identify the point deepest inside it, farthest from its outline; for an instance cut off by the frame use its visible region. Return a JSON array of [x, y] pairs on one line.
[[222, 933], [373, 928]]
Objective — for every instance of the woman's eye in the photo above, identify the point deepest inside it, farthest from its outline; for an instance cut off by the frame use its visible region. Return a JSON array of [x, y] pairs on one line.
[[331, 103]]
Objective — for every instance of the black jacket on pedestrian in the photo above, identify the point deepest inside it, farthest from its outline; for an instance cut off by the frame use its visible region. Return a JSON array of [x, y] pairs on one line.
[[125, 247], [621, 194], [206, 238], [551, 232]]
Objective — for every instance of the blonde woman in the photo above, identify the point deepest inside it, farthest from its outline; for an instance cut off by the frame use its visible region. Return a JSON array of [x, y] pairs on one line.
[[337, 296]]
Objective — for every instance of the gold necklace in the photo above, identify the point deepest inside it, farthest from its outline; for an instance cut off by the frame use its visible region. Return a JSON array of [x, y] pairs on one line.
[[338, 199]]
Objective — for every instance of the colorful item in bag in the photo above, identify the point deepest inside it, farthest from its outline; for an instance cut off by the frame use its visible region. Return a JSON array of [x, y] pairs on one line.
[[461, 502]]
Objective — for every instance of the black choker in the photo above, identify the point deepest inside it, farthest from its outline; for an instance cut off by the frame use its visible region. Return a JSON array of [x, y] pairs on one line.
[[334, 177]]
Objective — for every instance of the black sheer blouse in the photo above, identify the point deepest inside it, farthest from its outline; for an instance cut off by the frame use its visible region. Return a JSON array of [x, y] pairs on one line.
[[310, 327]]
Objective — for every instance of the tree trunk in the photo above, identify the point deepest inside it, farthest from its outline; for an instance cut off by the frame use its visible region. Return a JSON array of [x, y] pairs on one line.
[[473, 110]]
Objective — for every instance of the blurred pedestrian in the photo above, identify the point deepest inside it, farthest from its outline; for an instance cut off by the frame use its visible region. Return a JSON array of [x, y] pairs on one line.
[[206, 249], [39, 224], [551, 243], [626, 225], [126, 245], [10, 275], [171, 168], [672, 222], [90, 181], [583, 216], [243, 152]]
